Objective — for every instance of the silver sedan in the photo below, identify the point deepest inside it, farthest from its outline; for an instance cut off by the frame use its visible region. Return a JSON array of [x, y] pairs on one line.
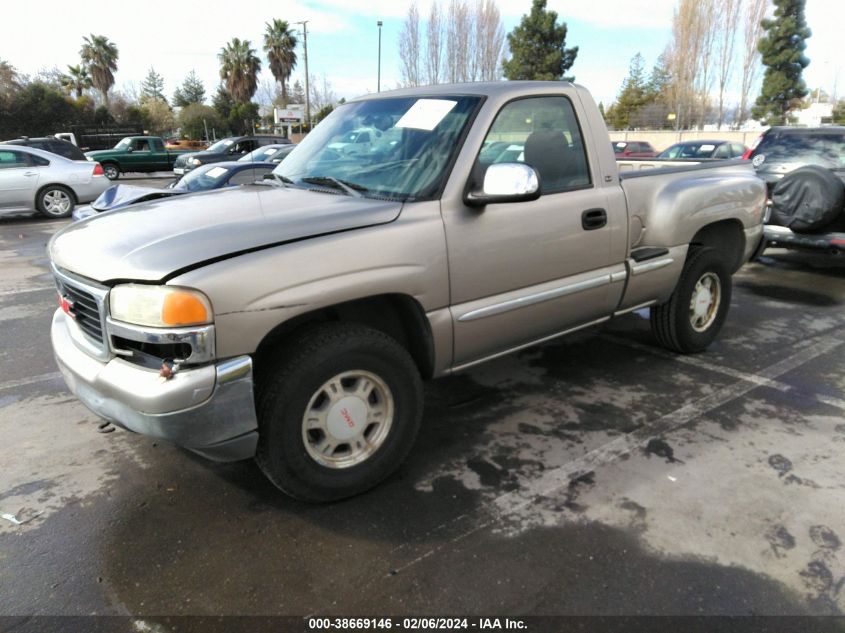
[[34, 180]]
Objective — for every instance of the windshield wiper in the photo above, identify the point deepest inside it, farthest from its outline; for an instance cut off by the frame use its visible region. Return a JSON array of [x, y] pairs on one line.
[[351, 188]]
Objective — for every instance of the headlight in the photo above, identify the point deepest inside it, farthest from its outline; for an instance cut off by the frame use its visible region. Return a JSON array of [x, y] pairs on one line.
[[159, 306], [195, 161]]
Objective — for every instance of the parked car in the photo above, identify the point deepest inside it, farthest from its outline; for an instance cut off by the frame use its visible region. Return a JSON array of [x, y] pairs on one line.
[[35, 180], [633, 149], [804, 169], [268, 154], [52, 145], [703, 149], [225, 149], [135, 154], [205, 178], [356, 141], [294, 322]]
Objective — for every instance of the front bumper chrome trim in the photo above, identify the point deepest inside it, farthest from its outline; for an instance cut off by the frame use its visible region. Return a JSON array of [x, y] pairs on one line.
[[201, 339]]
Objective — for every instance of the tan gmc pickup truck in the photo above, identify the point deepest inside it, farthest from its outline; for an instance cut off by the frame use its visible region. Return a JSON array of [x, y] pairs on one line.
[[294, 320]]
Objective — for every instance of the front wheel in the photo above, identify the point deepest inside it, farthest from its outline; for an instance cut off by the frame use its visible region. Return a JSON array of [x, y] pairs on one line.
[[111, 171], [697, 309], [339, 409]]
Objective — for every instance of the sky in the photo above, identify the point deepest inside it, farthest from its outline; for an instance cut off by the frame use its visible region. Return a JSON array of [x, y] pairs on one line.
[[177, 37]]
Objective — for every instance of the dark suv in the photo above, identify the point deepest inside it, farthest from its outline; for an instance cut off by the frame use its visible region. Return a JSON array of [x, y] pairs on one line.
[[780, 150], [231, 148], [804, 170], [50, 144]]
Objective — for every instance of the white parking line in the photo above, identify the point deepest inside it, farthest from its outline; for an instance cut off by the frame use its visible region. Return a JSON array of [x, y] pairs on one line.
[[6, 293], [552, 481], [13, 384]]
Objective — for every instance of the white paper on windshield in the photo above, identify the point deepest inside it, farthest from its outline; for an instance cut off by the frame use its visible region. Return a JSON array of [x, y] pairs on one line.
[[425, 114], [621, 144], [706, 148], [216, 172]]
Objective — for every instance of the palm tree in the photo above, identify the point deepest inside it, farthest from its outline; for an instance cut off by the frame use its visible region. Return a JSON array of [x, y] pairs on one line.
[[239, 67], [280, 46], [100, 58], [77, 80]]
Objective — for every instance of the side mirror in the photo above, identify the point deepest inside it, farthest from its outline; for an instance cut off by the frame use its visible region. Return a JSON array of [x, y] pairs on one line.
[[506, 182], [130, 149]]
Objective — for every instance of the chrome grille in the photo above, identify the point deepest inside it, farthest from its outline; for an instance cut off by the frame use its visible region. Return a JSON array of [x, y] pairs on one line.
[[87, 310]]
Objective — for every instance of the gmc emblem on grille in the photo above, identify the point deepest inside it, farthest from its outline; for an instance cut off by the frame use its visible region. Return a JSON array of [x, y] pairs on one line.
[[67, 306]]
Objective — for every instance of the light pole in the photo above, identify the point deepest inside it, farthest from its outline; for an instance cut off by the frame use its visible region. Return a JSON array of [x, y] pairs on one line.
[[378, 85], [307, 91]]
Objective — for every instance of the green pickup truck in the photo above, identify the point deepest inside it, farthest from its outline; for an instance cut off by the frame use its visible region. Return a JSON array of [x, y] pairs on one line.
[[135, 154]]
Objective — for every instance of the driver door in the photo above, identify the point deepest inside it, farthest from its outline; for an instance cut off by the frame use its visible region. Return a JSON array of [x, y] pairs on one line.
[[524, 271]]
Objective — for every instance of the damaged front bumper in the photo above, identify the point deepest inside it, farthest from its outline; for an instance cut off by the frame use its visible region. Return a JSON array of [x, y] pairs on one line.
[[209, 409]]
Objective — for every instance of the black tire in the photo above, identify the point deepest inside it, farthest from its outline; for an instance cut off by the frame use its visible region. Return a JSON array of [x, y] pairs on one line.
[[112, 171], [287, 388], [672, 322], [808, 199], [55, 201]]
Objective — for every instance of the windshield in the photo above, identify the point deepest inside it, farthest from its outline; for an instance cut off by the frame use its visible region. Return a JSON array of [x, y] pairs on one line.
[[124, 143], [219, 146], [689, 150], [411, 142], [203, 178], [820, 148]]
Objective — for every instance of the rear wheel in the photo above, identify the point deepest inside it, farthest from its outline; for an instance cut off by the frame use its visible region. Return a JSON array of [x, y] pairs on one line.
[[55, 201], [339, 409], [111, 171], [697, 309]]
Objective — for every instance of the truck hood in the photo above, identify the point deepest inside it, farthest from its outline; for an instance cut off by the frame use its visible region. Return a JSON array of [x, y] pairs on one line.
[[118, 196], [152, 240]]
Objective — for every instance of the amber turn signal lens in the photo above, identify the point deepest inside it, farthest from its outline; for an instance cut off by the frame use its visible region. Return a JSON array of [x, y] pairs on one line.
[[183, 308]]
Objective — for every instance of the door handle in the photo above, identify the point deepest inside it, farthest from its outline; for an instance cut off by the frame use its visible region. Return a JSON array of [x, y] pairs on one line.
[[593, 219], [30, 173]]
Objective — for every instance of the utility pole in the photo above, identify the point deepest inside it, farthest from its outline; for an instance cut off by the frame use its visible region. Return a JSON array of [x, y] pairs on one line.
[[378, 85], [307, 90]]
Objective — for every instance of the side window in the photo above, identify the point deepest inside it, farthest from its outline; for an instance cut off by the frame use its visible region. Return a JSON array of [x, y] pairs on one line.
[[542, 132], [738, 150], [37, 161], [10, 159], [363, 137], [722, 151], [142, 145]]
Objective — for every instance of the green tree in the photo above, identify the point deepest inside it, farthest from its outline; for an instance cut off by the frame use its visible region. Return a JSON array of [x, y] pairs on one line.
[[243, 117], [782, 51], [839, 113], [239, 67], [36, 109], [77, 80], [191, 91], [297, 93], [100, 56], [152, 88], [538, 47], [223, 102], [280, 46], [632, 96], [9, 80], [158, 117], [195, 118]]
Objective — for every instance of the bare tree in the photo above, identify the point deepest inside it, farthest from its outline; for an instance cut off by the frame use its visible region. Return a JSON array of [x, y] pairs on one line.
[[755, 11], [321, 95], [458, 41], [706, 34], [725, 42], [434, 45], [490, 40], [409, 47]]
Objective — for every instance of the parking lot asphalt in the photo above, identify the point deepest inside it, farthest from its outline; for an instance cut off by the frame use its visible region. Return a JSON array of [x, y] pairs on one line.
[[595, 475]]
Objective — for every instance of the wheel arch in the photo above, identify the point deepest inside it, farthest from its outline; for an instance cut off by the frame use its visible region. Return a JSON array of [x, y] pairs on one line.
[[727, 237], [397, 315]]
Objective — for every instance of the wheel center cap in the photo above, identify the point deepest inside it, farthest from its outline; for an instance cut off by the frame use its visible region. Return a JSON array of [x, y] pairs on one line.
[[347, 418], [702, 302]]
